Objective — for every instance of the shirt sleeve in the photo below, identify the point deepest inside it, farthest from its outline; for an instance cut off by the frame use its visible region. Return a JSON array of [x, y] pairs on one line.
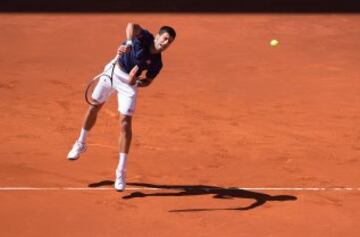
[[145, 37]]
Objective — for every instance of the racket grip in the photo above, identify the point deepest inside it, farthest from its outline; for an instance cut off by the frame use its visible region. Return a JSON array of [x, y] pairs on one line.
[[116, 59]]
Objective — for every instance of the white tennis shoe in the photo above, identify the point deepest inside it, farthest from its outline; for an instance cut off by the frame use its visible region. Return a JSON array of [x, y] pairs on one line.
[[120, 182], [76, 150]]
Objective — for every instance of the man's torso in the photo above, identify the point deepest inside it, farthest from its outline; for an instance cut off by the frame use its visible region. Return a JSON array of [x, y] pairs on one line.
[[140, 55]]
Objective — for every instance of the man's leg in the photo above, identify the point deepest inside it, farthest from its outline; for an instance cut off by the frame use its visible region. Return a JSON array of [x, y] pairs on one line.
[[125, 133], [101, 93], [124, 142], [91, 116], [89, 121], [126, 106]]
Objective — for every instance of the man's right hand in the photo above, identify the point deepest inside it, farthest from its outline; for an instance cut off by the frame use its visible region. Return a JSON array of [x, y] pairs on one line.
[[123, 49]]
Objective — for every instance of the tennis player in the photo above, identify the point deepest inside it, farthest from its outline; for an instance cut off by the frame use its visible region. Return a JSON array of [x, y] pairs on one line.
[[139, 62]]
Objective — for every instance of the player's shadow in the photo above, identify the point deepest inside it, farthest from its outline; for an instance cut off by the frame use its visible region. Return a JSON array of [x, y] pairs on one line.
[[196, 190]]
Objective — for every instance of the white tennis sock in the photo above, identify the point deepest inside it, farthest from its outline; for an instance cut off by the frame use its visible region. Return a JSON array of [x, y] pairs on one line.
[[83, 135], [122, 162]]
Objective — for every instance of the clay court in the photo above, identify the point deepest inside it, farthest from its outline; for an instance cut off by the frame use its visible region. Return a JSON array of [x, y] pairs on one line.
[[234, 138]]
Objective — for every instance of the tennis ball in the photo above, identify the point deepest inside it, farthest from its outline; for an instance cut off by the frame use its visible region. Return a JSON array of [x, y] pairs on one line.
[[274, 43]]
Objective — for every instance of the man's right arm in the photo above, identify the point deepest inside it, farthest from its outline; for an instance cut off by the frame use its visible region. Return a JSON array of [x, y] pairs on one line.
[[132, 31]]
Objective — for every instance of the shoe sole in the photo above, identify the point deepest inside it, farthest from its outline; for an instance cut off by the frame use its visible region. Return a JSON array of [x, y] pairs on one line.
[[73, 159]]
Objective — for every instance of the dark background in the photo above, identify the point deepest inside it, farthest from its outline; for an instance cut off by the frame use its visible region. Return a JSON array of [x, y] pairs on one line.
[[301, 6]]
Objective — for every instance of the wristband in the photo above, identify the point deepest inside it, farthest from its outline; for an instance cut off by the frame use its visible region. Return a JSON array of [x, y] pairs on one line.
[[129, 42]]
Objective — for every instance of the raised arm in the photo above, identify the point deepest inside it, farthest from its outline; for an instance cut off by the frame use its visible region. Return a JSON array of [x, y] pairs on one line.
[[132, 31]]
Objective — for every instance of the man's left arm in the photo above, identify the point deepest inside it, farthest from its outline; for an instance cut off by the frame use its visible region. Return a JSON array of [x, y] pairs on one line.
[[148, 76], [144, 82]]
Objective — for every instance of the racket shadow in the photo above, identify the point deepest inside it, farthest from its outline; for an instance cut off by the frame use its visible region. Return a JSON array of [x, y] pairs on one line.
[[101, 184], [197, 190]]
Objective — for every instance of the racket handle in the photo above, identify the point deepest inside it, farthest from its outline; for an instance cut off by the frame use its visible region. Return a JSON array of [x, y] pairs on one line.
[[116, 59]]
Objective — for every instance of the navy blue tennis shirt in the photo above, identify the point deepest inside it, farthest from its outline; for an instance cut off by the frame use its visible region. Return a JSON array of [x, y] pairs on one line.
[[140, 55]]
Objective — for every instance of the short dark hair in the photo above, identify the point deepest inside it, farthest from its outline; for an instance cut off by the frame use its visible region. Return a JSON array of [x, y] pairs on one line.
[[169, 30]]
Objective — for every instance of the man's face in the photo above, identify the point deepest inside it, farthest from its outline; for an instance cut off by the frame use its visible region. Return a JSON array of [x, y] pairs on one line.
[[162, 41]]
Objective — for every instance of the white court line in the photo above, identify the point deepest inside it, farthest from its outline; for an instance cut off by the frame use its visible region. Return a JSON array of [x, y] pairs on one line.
[[67, 189], [316, 189]]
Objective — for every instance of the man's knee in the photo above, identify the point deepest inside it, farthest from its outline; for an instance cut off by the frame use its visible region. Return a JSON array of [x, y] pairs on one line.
[[94, 109], [125, 124]]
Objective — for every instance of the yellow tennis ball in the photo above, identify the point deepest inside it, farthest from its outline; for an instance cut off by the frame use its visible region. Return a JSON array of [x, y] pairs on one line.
[[274, 42]]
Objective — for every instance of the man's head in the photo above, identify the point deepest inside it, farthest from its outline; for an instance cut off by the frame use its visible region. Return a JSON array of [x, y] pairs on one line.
[[164, 38]]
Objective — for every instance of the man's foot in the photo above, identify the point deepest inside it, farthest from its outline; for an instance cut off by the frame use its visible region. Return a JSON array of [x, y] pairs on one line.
[[120, 182], [76, 150]]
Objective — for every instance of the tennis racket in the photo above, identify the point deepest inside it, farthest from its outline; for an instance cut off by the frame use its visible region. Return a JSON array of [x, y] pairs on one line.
[[94, 81]]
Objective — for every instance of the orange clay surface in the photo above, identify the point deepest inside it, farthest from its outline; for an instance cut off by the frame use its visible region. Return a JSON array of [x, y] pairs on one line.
[[227, 110]]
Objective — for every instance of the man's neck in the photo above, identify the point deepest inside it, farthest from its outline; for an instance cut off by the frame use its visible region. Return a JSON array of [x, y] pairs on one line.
[[153, 49]]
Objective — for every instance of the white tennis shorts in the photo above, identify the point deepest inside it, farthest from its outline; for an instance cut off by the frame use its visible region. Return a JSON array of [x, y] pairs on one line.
[[126, 93]]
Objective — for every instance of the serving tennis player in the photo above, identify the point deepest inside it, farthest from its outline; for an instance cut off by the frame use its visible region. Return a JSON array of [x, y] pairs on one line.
[[137, 64]]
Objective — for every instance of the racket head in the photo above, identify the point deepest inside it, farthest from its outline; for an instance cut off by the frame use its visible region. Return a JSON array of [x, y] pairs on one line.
[[91, 87]]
